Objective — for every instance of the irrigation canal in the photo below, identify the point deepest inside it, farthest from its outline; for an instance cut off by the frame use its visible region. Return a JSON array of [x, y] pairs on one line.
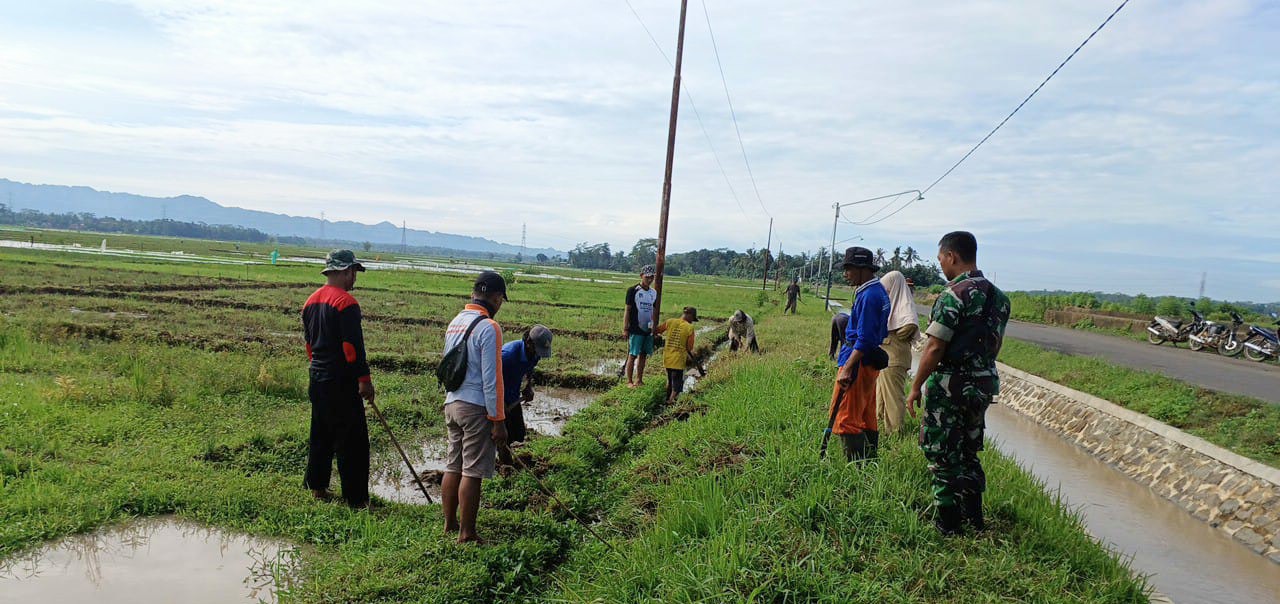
[[1187, 560]]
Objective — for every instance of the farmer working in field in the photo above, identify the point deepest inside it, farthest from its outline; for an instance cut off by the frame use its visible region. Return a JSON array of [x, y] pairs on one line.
[[637, 325], [957, 379], [339, 378], [475, 412], [793, 296], [891, 386], [742, 332], [518, 360], [677, 349], [861, 358]]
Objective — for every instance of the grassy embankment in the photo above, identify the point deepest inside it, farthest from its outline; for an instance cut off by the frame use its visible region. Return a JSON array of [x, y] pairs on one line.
[[105, 417], [1241, 424]]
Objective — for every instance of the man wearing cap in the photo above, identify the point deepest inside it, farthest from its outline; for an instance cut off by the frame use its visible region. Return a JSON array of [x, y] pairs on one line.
[[861, 358], [518, 360], [339, 378], [475, 413], [637, 324], [677, 349]]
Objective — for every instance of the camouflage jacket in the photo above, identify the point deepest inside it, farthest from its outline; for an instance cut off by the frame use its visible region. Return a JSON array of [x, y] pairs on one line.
[[970, 316]]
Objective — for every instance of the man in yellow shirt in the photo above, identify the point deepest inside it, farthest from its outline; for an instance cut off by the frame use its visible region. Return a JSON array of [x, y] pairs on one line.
[[676, 351]]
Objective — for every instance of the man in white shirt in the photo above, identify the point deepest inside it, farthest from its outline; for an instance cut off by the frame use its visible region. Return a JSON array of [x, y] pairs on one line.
[[637, 324], [474, 413]]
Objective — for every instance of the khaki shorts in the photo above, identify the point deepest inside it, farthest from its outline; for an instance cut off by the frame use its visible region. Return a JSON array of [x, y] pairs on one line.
[[471, 448]]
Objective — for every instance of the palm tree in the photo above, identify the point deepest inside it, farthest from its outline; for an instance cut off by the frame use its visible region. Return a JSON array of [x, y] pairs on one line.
[[897, 258], [911, 257], [880, 256]]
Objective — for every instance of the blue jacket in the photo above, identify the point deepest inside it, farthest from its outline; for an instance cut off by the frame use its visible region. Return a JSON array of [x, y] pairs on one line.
[[868, 321], [515, 364]]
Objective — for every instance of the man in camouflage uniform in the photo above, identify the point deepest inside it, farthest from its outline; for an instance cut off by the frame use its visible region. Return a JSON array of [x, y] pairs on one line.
[[958, 377]]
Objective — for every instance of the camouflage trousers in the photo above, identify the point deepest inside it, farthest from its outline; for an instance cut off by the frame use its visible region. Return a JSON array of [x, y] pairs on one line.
[[951, 432]]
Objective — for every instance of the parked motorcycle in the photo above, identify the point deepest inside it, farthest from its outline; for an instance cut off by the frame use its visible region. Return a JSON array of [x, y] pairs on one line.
[[1262, 343], [1162, 329], [1214, 333], [1232, 344]]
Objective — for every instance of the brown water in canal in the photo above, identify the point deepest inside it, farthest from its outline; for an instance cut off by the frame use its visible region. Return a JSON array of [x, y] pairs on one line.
[[1188, 560], [152, 560]]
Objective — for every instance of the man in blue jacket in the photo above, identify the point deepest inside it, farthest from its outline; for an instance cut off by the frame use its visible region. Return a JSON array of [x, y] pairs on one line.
[[861, 358], [518, 360]]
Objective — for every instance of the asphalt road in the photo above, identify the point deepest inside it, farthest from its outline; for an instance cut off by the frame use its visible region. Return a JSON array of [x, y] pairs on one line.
[[1205, 369]]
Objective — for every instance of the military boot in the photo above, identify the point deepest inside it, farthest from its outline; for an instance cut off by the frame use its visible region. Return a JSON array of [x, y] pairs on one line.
[[948, 520], [972, 509]]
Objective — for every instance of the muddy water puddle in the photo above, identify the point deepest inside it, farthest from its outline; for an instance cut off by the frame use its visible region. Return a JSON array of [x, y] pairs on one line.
[[608, 367], [151, 560], [552, 407], [1188, 560], [547, 414], [396, 484]]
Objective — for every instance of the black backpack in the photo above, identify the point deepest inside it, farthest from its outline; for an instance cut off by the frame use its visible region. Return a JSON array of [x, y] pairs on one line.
[[452, 370]]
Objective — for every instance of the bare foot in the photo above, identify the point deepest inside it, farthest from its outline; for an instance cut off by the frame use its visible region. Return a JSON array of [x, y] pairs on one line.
[[450, 529], [475, 539], [631, 384], [322, 494]]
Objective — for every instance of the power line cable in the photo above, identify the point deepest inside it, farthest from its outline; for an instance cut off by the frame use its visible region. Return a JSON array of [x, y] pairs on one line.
[[1024, 101], [875, 213], [689, 95], [732, 113], [1003, 121]]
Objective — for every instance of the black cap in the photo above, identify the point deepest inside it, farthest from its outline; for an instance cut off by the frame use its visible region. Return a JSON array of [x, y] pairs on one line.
[[859, 257], [490, 281], [692, 312]]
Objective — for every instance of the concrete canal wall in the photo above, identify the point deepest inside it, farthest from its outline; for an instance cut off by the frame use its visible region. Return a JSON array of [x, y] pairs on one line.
[[1231, 493]]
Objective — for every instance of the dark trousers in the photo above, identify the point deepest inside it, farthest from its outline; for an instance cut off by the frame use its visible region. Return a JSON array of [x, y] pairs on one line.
[[338, 427], [791, 306]]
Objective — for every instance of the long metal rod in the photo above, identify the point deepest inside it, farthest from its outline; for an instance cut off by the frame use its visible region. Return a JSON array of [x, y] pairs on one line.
[[395, 442], [553, 497], [671, 157]]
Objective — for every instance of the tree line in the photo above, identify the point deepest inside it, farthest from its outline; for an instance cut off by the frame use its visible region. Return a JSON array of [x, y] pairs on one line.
[[750, 264], [1031, 306]]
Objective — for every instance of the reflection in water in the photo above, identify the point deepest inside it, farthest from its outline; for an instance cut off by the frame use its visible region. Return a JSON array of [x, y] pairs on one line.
[[151, 560], [1187, 559]]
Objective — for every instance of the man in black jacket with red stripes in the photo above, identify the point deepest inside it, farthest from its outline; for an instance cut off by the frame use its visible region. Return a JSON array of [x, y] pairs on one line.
[[339, 380]]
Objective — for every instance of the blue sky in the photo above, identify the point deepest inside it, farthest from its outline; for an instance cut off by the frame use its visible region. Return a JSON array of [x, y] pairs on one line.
[[1151, 158]]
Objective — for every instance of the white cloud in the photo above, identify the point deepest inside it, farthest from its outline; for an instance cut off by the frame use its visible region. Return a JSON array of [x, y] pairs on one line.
[[451, 115]]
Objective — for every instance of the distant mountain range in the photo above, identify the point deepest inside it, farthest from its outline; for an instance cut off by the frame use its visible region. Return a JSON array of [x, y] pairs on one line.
[[56, 199]]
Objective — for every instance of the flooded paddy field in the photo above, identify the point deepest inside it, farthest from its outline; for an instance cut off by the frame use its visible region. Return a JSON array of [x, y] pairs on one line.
[[141, 387], [151, 560]]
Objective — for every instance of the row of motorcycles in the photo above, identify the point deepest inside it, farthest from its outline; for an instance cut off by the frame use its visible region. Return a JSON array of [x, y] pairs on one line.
[[1258, 344]]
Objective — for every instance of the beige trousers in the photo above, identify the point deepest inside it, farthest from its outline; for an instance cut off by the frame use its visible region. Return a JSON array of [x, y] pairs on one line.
[[891, 398], [891, 386]]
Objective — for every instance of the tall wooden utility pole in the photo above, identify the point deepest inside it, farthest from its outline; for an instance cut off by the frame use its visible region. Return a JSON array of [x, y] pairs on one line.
[[768, 244], [671, 157]]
